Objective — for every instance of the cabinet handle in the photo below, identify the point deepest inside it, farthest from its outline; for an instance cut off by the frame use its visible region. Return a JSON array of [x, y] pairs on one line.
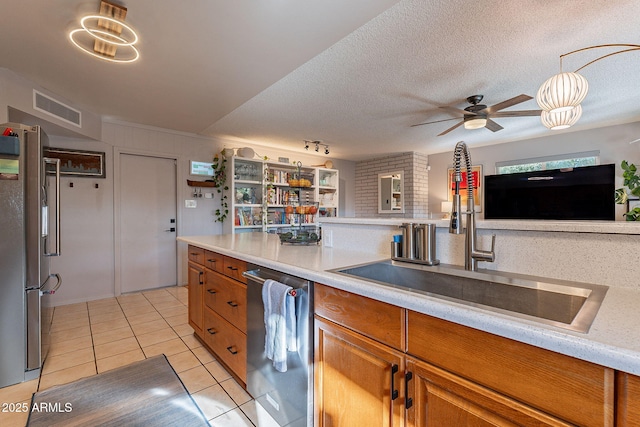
[[211, 260], [200, 274], [232, 350], [232, 268], [232, 303], [212, 331], [212, 291], [194, 254], [394, 392], [408, 400]]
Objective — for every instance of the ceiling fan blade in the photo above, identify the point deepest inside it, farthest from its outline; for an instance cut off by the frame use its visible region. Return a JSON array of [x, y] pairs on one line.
[[435, 121], [493, 126], [452, 128], [508, 103], [521, 113], [457, 110]]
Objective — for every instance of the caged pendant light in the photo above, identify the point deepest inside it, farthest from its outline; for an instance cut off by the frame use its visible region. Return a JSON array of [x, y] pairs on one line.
[[560, 96]]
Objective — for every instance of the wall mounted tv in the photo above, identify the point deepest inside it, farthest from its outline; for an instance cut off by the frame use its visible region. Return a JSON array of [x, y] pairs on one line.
[[584, 193]]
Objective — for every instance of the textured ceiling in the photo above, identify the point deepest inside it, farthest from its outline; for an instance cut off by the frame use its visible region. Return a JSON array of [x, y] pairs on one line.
[[354, 74]]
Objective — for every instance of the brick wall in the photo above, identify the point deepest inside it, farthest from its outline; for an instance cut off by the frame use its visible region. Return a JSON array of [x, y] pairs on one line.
[[416, 179]]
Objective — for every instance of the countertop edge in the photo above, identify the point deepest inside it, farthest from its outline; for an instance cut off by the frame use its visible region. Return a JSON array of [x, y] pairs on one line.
[[600, 227], [569, 343]]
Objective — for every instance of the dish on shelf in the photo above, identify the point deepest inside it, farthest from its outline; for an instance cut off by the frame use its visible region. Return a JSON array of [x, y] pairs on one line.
[[302, 182]]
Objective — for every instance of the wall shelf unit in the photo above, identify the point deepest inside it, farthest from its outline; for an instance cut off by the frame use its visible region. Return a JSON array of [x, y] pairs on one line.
[[279, 197]]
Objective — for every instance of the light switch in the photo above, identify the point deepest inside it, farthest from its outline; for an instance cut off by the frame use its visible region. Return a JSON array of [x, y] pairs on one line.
[[190, 204]]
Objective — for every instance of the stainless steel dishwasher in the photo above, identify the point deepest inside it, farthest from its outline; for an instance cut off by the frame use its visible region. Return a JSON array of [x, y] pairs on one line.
[[286, 396]]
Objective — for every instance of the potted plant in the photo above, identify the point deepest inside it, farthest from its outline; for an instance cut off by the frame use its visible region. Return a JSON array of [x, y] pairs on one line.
[[219, 182], [632, 182]]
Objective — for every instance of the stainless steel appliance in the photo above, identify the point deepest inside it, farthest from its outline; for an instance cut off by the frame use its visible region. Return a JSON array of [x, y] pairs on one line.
[[286, 396], [30, 232]]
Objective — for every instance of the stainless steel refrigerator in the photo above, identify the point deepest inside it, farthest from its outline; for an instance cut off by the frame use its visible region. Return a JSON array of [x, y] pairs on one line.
[[29, 236]]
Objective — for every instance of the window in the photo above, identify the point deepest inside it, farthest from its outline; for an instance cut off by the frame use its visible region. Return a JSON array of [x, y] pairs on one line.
[[562, 161]]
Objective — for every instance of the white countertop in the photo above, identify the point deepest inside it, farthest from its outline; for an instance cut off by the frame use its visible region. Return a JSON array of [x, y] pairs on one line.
[[613, 339]]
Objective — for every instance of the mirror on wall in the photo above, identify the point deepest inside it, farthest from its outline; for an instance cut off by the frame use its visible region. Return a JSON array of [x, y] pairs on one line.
[[390, 192]]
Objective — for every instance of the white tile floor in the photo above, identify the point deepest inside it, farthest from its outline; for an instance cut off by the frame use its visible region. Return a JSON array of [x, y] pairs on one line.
[[90, 338]]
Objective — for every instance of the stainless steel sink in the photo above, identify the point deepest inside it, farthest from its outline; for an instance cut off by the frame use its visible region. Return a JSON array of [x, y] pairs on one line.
[[565, 304]]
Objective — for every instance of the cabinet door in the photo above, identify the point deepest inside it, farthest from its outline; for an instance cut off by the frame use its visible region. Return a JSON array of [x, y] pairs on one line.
[[628, 400], [438, 398], [357, 380], [196, 286]]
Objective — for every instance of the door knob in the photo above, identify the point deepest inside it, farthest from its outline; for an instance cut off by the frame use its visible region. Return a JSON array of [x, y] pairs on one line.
[[171, 230]]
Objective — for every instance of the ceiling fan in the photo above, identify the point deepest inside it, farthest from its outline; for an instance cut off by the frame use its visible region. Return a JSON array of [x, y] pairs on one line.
[[477, 115]]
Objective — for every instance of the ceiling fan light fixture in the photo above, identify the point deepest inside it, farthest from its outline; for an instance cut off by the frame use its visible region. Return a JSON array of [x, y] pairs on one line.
[[475, 123], [561, 120], [562, 92]]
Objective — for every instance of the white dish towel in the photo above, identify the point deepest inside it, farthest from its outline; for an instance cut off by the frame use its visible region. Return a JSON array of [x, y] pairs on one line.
[[279, 322]]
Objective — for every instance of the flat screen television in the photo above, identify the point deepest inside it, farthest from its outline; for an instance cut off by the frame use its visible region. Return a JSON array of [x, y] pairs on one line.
[[584, 193]]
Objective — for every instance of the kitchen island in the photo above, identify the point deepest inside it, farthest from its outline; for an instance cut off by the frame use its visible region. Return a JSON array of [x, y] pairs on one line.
[[404, 352], [612, 340]]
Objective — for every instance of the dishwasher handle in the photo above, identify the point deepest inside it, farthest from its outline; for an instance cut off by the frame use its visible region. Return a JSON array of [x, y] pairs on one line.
[[253, 275]]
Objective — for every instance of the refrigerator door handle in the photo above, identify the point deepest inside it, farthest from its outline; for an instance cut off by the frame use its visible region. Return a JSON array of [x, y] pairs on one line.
[[55, 288], [55, 162]]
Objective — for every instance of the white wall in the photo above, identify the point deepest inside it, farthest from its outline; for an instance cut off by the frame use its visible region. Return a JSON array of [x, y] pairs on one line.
[[612, 142], [89, 264]]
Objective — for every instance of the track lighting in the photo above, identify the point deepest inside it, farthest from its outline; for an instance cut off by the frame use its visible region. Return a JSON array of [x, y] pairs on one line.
[[318, 144]]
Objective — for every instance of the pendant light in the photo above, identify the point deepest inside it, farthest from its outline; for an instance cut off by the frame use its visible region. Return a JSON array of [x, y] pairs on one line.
[[561, 119], [560, 96]]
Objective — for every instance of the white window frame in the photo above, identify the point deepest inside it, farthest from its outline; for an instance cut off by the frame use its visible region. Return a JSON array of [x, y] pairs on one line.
[[502, 167]]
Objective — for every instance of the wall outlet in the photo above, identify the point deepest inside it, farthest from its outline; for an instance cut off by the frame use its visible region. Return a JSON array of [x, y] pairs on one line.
[[208, 195], [327, 238], [190, 204]]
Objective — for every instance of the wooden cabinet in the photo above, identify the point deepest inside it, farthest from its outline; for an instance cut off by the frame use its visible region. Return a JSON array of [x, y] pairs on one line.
[[358, 371], [357, 379], [559, 385], [628, 400], [196, 286], [440, 398], [227, 297], [227, 342], [453, 375], [218, 307]]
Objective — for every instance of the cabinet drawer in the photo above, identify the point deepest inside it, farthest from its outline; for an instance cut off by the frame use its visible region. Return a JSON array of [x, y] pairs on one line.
[[214, 261], [196, 254], [557, 384], [378, 320], [229, 344], [234, 269], [226, 297]]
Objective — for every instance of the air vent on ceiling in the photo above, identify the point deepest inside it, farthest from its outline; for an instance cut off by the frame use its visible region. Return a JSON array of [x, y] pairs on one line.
[[57, 109]]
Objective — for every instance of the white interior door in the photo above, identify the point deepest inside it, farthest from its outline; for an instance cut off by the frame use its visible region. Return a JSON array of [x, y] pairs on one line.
[[147, 222]]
